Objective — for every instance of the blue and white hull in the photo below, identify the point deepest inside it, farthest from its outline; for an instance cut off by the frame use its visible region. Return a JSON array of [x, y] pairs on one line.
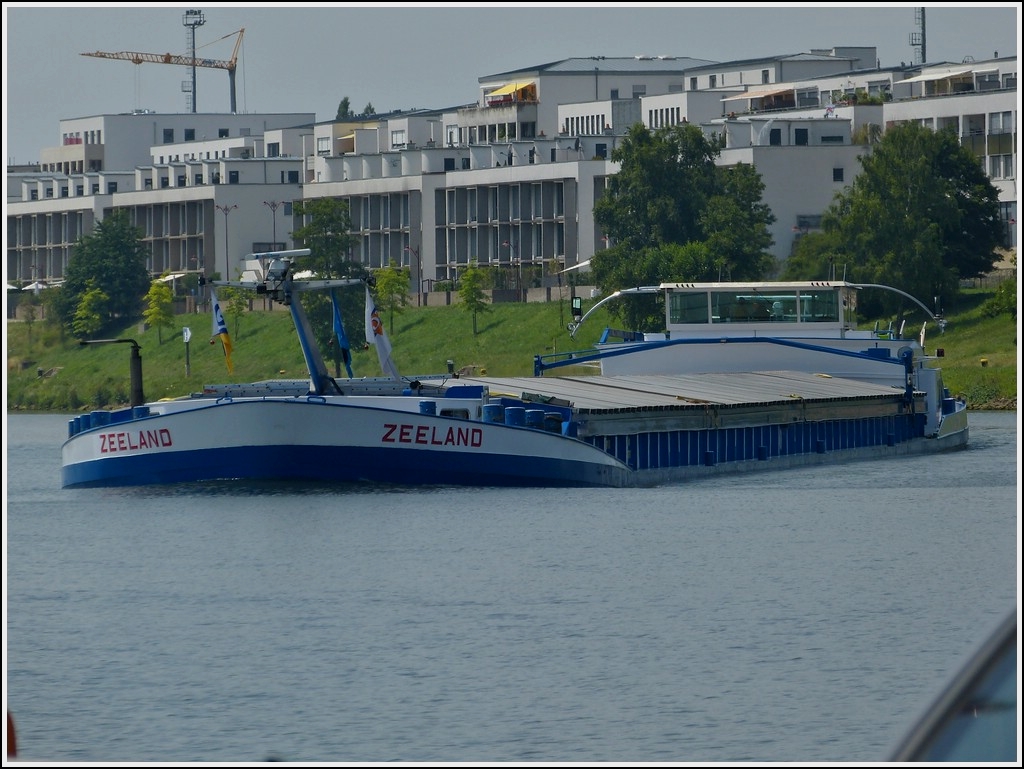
[[327, 439]]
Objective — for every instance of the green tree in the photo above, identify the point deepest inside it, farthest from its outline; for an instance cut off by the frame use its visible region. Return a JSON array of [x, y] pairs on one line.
[[28, 306], [112, 258], [235, 302], [344, 110], [369, 110], [471, 293], [920, 216], [327, 233], [91, 313], [735, 224], [815, 257], [392, 285], [159, 311], [664, 181]]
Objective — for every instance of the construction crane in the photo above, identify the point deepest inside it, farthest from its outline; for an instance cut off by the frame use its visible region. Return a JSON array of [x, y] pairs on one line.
[[184, 61]]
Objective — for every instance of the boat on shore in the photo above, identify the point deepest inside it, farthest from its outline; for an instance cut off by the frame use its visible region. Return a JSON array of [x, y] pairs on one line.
[[615, 430]]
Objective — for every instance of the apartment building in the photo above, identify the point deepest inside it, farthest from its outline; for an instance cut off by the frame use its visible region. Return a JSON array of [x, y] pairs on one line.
[[508, 181]]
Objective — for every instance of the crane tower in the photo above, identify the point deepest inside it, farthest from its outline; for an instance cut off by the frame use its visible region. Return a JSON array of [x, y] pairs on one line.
[[192, 61]]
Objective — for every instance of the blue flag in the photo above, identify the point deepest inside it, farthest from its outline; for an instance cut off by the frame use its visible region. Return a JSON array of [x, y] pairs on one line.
[[339, 330]]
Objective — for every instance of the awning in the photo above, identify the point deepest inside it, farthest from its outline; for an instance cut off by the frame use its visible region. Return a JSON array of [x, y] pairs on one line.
[[758, 94], [11, 288], [37, 285], [510, 88], [944, 75]]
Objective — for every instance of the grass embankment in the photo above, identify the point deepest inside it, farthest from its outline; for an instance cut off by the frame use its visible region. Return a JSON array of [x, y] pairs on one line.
[[48, 372]]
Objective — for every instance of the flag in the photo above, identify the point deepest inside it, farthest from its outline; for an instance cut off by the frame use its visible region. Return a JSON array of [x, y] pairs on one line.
[[375, 335], [220, 329], [339, 331]]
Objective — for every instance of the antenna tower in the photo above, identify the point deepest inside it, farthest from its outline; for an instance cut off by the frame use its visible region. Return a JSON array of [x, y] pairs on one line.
[[191, 20], [917, 39]]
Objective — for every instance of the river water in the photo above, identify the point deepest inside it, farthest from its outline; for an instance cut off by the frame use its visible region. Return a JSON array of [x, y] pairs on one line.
[[806, 615]]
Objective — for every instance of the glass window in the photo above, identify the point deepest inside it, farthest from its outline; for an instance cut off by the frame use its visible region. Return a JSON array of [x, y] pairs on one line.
[[688, 307]]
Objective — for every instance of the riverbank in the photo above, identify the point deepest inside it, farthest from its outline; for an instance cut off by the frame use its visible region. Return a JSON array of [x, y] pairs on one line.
[[50, 372]]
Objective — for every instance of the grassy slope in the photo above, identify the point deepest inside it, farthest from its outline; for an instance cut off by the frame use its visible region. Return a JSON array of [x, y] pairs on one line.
[[424, 339]]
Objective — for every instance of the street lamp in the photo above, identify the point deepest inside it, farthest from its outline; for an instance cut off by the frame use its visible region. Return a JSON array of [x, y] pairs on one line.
[[419, 273], [226, 210], [514, 253], [273, 205]]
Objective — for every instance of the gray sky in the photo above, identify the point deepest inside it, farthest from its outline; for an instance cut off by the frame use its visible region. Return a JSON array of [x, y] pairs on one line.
[[306, 58]]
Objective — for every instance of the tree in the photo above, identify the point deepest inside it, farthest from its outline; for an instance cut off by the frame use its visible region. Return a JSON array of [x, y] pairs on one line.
[[393, 291], [369, 110], [921, 216], [237, 300], [663, 183], [327, 234], [673, 215], [344, 111], [112, 258], [91, 313], [473, 299], [735, 224], [159, 308]]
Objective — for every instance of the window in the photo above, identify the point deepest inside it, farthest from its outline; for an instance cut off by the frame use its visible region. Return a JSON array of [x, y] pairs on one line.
[[95, 189], [79, 190], [111, 188], [323, 145], [713, 81], [765, 77], [775, 137], [837, 174], [465, 162], [168, 136], [274, 150], [1001, 166], [198, 179], [49, 192], [693, 84], [615, 93], [63, 192], [832, 140], [639, 90], [1000, 122], [293, 177], [181, 180], [688, 308], [222, 133], [800, 137], [232, 177], [34, 195], [147, 183], [398, 138], [601, 150], [190, 134]]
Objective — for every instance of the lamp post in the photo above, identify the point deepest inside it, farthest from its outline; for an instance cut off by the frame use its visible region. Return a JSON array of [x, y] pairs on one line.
[[419, 273], [514, 254], [273, 205], [226, 210]]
